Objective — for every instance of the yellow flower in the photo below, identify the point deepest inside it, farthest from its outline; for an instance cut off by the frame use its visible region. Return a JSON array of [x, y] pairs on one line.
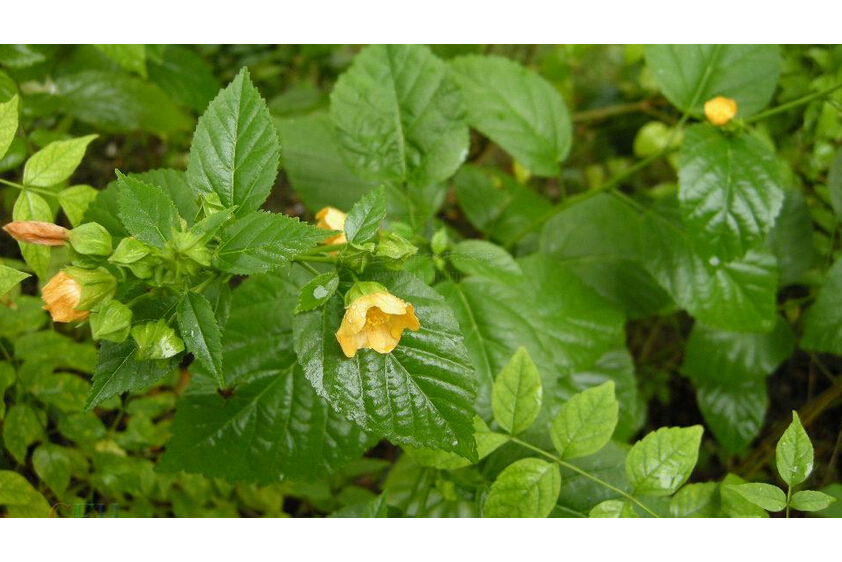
[[61, 295], [331, 218], [375, 321], [37, 232], [720, 110]]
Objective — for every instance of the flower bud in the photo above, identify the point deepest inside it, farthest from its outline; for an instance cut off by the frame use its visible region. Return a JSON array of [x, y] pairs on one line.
[[331, 218], [720, 110], [61, 297], [135, 255], [90, 239], [156, 340], [111, 321], [37, 232], [394, 250], [97, 285]]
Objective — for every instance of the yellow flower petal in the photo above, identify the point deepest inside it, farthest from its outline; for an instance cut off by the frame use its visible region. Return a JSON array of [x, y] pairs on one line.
[[61, 297], [720, 110], [375, 321], [331, 218]]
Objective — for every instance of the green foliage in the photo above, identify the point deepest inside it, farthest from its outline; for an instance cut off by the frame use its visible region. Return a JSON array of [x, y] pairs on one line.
[[526, 488], [661, 462], [585, 423], [516, 395]]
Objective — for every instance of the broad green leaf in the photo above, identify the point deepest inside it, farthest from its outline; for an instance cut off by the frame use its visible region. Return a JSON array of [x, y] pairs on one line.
[[8, 123], [791, 238], [516, 395], [317, 291], [823, 320], [74, 202], [55, 162], [517, 109], [421, 394], [585, 422], [364, 218], [30, 206], [400, 116], [487, 442], [105, 211], [696, 500], [794, 453], [235, 148], [834, 490], [84, 429], [485, 259], [65, 392], [734, 411], [117, 103], [734, 504], [259, 242], [20, 498], [52, 465], [9, 277], [22, 56], [767, 496], [146, 211], [118, 370], [130, 57], [662, 461], [809, 500], [21, 428], [730, 190], [745, 73], [201, 334], [579, 493], [601, 240], [184, 76], [613, 509], [526, 488], [174, 183], [56, 350]]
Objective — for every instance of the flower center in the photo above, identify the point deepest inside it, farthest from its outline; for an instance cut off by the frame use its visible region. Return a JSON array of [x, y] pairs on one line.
[[375, 317]]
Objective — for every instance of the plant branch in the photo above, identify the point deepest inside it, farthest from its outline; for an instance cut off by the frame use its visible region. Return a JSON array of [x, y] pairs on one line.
[[792, 104]]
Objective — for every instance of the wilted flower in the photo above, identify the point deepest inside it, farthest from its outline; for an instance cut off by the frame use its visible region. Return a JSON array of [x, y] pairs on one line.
[[331, 218], [375, 320], [37, 232], [720, 110], [61, 296]]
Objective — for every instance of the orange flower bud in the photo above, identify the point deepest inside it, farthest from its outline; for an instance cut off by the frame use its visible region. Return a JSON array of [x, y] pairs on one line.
[[720, 110], [331, 218], [375, 321], [37, 232], [61, 295]]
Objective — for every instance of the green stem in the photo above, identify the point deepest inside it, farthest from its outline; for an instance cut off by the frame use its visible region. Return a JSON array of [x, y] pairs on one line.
[[201, 286], [792, 104], [317, 259], [24, 188], [586, 474], [308, 267], [788, 496]]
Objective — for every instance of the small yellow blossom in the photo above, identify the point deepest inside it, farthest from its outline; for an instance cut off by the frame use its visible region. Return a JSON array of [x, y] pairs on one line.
[[61, 295], [720, 110], [37, 232], [375, 321], [331, 218]]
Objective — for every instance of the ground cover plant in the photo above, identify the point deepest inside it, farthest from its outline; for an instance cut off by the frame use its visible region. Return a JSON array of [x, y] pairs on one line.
[[420, 281]]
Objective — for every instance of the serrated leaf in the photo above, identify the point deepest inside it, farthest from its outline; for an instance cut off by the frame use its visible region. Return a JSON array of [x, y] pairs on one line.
[[526, 488], [662, 461], [146, 211], [823, 320], [9, 277], [794, 453], [585, 422], [259, 242], [484, 259], [613, 509], [421, 394], [317, 291], [364, 218], [21, 428], [173, 183], [767, 496], [130, 57], [516, 395], [30, 206], [696, 500], [201, 334], [517, 109], [400, 116], [8, 123], [74, 202], [730, 190], [235, 148], [118, 371], [745, 73], [55, 162], [809, 500], [20, 498]]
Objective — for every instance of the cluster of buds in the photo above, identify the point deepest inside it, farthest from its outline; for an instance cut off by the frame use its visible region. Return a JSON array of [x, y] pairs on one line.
[[720, 110]]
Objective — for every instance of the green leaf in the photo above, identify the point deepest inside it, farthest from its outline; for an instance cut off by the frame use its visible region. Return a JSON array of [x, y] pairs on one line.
[[65, 392], [794, 453], [791, 238], [487, 442], [173, 183], [146, 211], [156, 340], [201, 333], [364, 218], [52, 465], [74, 202], [517, 109], [259, 242], [734, 504], [9, 277], [767, 496], [30, 206], [585, 422], [399, 116], [20, 498], [526, 488], [613, 509], [834, 181], [8, 123], [235, 148], [484, 259], [184, 76], [130, 57], [730, 190], [421, 394], [662, 461], [55, 162], [55, 349], [734, 411], [745, 73], [22, 56], [809, 500], [118, 370], [317, 291], [696, 500], [823, 320], [516, 395], [21, 428]]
